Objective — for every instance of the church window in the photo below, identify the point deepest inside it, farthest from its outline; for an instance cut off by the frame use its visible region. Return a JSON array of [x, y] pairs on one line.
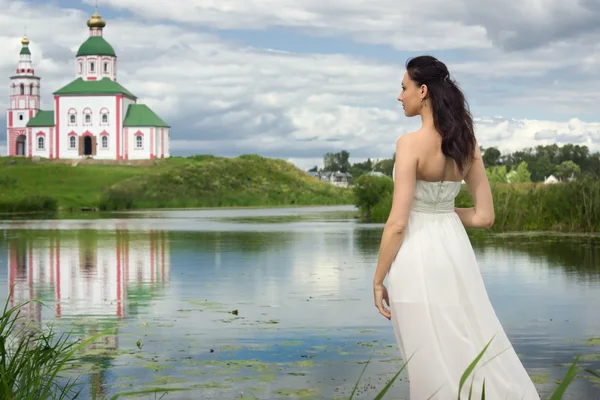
[[87, 116], [72, 142], [105, 67], [41, 143], [80, 68], [139, 141], [92, 67], [22, 87], [21, 117], [73, 118], [105, 142], [31, 89], [105, 118]]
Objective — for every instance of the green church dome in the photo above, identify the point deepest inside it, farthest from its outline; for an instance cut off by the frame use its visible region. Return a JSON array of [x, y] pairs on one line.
[[96, 46]]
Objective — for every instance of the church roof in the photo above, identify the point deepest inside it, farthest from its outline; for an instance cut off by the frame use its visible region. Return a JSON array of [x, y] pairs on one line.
[[42, 119], [142, 115], [103, 86], [96, 46], [25, 50]]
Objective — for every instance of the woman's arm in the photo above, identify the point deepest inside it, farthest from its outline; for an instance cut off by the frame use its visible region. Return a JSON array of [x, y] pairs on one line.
[[482, 214], [395, 226]]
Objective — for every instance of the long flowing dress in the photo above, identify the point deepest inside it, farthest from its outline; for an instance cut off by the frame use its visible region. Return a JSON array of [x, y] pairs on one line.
[[441, 312]]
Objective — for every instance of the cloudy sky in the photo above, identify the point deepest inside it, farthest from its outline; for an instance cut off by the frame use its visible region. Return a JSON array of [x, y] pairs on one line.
[[295, 79]]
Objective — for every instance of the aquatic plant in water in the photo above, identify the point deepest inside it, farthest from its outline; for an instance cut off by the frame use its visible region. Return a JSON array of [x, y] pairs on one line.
[[556, 395], [33, 361]]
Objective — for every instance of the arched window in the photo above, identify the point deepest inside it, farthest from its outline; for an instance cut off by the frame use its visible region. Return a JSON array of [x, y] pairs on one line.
[[22, 87], [139, 141], [87, 116], [72, 142], [92, 66], [41, 143], [80, 67], [72, 116], [104, 116], [105, 142], [31, 89]]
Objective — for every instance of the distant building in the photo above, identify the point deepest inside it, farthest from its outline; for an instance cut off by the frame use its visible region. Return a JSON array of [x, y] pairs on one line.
[[551, 180], [342, 179], [92, 116]]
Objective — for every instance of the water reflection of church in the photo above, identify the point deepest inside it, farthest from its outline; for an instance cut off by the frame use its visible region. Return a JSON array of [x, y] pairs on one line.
[[88, 279], [88, 272]]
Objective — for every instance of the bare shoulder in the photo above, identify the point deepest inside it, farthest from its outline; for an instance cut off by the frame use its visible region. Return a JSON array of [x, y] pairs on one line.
[[410, 140]]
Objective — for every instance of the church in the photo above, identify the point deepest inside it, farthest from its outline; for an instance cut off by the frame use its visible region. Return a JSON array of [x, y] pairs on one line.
[[93, 116]]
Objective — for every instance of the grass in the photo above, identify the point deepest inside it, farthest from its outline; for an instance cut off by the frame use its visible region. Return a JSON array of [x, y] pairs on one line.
[[34, 362], [197, 181], [566, 207], [558, 393]]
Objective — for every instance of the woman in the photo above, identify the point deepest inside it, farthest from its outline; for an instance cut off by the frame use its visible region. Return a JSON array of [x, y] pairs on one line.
[[438, 304]]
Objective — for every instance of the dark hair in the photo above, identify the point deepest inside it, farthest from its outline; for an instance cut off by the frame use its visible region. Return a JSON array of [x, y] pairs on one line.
[[451, 115]]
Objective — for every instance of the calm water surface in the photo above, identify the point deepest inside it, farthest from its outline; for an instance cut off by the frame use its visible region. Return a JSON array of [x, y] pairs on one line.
[[276, 303]]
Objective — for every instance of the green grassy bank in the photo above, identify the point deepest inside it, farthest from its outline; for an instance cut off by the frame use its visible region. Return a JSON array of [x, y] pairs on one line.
[[197, 181], [565, 207]]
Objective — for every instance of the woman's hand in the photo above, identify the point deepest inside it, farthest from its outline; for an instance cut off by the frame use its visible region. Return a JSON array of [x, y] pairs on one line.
[[380, 293]]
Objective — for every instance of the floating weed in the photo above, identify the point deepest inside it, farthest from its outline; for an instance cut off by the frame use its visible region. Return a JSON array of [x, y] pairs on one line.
[[595, 341], [291, 343], [391, 360], [367, 331], [304, 364], [154, 366], [167, 379], [211, 385], [541, 378], [300, 393], [590, 357], [238, 378], [267, 378], [193, 372], [230, 347]]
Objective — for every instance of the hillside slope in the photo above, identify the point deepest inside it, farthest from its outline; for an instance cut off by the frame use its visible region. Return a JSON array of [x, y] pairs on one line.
[[197, 181]]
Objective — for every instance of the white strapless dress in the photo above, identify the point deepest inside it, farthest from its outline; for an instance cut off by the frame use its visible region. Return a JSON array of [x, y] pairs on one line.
[[441, 313]]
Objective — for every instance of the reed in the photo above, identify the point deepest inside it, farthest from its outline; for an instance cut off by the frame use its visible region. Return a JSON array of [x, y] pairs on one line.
[[34, 362], [572, 373], [564, 207]]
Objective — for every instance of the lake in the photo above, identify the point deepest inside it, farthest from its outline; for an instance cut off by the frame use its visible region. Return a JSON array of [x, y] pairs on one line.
[[276, 303]]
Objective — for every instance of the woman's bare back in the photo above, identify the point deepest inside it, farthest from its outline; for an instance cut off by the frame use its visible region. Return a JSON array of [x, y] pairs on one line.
[[433, 165]]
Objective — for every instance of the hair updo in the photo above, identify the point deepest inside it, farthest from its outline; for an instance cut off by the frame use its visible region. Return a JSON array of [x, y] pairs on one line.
[[451, 115]]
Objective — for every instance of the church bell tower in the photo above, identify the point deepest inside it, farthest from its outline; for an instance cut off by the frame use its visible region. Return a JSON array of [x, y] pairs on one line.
[[24, 103]]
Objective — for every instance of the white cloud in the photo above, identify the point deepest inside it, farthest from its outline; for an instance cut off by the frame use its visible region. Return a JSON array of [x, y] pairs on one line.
[[381, 22], [226, 97]]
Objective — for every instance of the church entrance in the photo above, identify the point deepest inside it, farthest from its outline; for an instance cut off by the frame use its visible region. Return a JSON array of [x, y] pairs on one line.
[[87, 146], [21, 142]]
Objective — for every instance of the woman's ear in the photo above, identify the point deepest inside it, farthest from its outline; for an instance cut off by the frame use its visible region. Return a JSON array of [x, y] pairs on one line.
[[424, 91]]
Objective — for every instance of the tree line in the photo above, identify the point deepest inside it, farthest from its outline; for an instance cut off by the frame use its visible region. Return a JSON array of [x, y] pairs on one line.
[[530, 164]]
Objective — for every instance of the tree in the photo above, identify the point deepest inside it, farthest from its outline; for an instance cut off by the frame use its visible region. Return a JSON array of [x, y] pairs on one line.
[[496, 174], [361, 168], [491, 157], [333, 162], [314, 169], [566, 169], [519, 175]]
